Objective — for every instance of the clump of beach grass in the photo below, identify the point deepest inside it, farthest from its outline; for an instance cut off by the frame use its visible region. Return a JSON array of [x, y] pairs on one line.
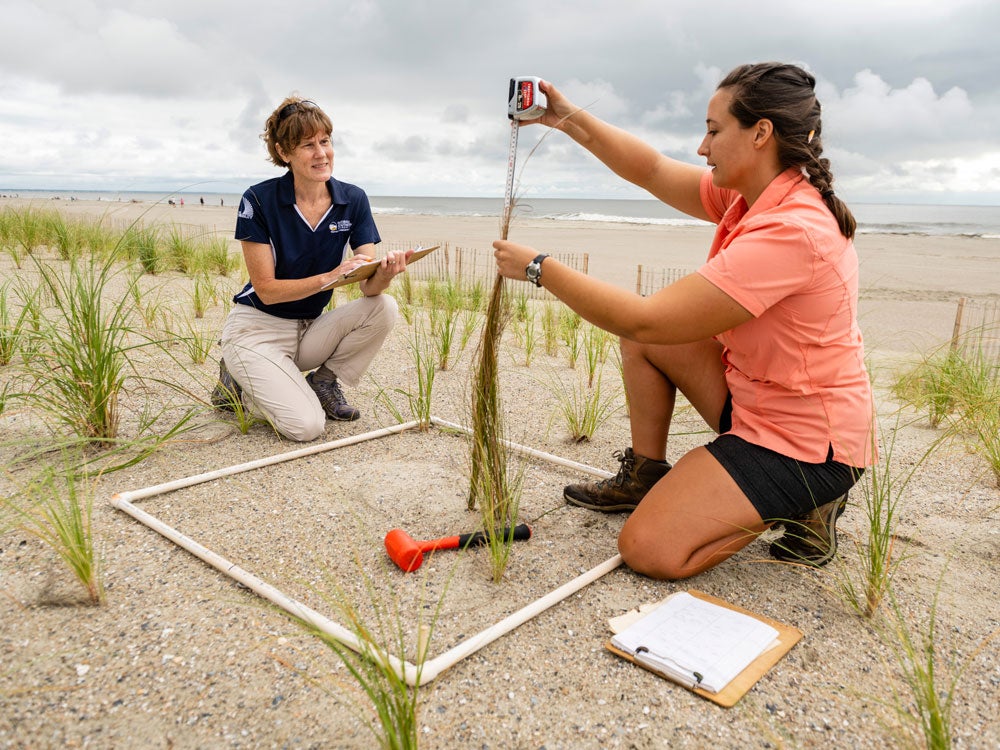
[[80, 363], [931, 668], [596, 344], [377, 667], [960, 387], [569, 332], [584, 406], [550, 328], [64, 236], [198, 342], [13, 324], [487, 416], [444, 322], [217, 257], [494, 485], [422, 349], [142, 244], [865, 581], [55, 508], [203, 294], [527, 337], [76, 358], [181, 251]]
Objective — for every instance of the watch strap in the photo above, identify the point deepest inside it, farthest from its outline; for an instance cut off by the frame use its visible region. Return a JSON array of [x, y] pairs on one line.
[[536, 266]]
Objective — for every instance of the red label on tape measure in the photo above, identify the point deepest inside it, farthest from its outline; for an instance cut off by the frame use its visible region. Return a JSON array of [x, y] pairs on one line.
[[526, 95]]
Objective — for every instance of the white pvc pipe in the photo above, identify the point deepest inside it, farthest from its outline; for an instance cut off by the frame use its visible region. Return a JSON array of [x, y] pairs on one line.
[[262, 588], [449, 658], [553, 459], [177, 484], [408, 671]]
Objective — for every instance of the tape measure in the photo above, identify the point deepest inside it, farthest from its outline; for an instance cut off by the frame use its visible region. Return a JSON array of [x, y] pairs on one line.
[[525, 101]]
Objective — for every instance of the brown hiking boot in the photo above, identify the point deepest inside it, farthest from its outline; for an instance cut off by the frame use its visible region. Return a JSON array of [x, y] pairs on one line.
[[331, 398], [811, 539], [227, 392], [622, 492]]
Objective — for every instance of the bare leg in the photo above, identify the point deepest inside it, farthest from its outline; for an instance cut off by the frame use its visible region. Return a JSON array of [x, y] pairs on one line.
[[654, 373], [692, 519]]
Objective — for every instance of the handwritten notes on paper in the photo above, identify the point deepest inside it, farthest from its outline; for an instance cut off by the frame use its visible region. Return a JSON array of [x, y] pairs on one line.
[[695, 642]]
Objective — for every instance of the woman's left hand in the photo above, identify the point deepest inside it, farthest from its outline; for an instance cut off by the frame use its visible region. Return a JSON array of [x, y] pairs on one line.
[[513, 258], [393, 264]]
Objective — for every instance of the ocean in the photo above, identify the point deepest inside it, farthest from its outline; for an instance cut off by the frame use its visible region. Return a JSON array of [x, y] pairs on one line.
[[873, 218]]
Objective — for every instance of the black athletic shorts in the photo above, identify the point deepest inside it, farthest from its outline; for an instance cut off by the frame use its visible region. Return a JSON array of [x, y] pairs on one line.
[[778, 486]]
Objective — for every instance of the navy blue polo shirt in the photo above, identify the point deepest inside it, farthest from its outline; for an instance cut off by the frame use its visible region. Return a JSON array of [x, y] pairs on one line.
[[268, 215]]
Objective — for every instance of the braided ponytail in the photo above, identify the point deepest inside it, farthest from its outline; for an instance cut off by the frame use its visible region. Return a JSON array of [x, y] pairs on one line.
[[785, 95]]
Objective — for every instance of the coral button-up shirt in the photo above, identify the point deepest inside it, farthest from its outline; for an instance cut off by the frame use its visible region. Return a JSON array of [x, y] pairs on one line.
[[796, 372]]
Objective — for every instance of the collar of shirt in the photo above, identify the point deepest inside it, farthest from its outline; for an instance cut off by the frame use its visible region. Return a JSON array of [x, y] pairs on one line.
[[776, 192]]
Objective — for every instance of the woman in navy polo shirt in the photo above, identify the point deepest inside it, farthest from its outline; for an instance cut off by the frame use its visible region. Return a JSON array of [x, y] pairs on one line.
[[294, 230]]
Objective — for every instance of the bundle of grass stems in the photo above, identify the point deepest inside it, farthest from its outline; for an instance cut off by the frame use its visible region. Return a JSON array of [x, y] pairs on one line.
[[491, 486]]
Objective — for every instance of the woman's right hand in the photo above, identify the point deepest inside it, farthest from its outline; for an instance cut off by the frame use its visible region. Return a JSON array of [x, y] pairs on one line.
[[355, 261], [557, 109]]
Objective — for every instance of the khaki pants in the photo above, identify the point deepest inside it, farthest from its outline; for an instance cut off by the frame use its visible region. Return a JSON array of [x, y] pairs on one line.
[[267, 355]]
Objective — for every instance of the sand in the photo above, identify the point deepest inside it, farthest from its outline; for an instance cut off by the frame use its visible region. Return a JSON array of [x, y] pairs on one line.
[[181, 656]]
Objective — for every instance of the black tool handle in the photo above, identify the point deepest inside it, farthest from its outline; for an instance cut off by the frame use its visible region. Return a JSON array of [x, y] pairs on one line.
[[520, 533]]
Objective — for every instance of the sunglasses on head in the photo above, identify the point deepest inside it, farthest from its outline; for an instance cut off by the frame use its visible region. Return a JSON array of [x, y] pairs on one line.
[[290, 109]]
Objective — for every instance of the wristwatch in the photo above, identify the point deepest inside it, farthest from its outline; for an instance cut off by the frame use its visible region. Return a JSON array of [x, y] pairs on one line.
[[534, 270]]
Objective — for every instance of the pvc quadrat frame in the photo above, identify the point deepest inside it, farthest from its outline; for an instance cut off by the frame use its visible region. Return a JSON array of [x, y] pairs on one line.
[[411, 673]]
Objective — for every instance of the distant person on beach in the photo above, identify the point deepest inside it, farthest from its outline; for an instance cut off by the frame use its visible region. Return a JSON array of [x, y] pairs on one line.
[[762, 340], [295, 230]]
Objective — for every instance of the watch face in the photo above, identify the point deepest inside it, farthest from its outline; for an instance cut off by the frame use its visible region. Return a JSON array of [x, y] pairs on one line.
[[532, 271]]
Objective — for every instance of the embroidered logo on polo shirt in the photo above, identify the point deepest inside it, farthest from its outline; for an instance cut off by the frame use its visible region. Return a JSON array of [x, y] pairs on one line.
[[246, 210], [344, 225]]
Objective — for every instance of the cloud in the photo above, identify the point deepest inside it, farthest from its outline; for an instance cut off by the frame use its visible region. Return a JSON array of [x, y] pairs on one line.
[[85, 49], [874, 116], [136, 90]]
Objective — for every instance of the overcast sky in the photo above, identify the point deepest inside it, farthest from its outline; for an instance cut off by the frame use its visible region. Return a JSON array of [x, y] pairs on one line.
[[174, 93]]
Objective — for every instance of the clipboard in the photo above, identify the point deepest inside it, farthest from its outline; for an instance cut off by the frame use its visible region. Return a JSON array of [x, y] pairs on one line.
[[788, 636], [366, 270]]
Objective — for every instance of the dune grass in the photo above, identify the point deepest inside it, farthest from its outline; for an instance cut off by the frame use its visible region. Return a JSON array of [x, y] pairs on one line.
[[13, 324], [959, 388], [419, 396], [379, 624], [57, 508], [80, 363], [583, 404], [932, 669]]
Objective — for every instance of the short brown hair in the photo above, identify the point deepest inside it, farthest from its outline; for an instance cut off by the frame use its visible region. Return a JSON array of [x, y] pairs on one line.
[[294, 120]]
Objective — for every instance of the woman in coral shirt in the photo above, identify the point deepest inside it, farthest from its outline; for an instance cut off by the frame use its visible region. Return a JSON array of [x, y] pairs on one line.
[[762, 340]]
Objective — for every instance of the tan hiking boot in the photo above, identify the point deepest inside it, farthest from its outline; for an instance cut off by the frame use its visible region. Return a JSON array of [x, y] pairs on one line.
[[622, 492], [812, 538]]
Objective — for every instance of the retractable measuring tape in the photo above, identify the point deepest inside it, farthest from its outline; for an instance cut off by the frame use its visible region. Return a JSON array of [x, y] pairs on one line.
[[525, 101]]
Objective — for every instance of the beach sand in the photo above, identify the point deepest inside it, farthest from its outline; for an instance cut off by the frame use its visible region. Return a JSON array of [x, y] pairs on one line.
[[181, 656]]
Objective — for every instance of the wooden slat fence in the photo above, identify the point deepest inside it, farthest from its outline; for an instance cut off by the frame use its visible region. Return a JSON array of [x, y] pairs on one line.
[[977, 329], [467, 264], [650, 280]]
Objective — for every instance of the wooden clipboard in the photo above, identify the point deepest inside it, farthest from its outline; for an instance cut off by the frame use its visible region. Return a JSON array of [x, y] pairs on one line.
[[366, 270], [788, 636]]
